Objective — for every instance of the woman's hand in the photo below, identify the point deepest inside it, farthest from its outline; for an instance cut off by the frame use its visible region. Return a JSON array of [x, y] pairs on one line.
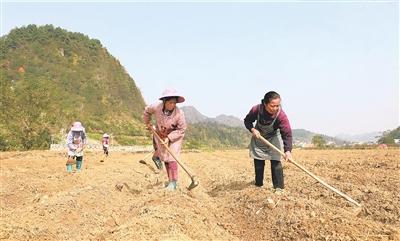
[[255, 133], [165, 141], [149, 126], [288, 156]]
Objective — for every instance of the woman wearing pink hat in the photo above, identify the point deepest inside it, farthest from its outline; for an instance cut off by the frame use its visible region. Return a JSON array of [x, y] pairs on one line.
[[105, 142], [76, 140], [171, 126]]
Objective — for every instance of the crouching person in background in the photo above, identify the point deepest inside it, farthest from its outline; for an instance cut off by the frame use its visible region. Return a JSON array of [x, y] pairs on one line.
[[76, 140]]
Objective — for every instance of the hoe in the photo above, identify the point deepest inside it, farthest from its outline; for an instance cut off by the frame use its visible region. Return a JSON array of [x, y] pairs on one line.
[[311, 174], [194, 183]]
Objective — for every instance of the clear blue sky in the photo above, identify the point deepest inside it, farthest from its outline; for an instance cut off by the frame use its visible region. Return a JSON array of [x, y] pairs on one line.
[[335, 64]]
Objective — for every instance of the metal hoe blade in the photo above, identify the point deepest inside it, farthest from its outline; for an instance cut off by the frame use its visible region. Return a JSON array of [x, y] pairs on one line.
[[194, 183]]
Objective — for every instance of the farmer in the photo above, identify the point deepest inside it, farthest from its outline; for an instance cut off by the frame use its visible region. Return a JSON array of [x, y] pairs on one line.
[[76, 140], [170, 126], [105, 142], [269, 119]]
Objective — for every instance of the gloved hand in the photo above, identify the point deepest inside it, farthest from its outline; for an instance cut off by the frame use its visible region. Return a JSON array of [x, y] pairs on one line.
[[288, 156]]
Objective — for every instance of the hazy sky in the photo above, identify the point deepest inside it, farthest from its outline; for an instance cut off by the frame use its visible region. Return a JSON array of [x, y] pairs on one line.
[[335, 64]]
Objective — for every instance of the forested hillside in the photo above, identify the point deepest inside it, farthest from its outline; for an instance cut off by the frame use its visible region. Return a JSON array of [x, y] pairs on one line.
[[51, 77]]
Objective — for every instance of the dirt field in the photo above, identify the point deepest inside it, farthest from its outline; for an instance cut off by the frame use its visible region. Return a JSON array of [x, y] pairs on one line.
[[40, 201]]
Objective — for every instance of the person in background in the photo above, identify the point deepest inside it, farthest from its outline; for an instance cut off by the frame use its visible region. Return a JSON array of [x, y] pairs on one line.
[[105, 142], [76, 140], [269, 118], [171, 127]]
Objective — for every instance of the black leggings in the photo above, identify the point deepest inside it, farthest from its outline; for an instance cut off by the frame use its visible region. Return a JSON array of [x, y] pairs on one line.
[[276, 173]]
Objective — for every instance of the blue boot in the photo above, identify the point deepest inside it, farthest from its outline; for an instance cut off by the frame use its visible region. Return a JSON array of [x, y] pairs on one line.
[[69, 168], [78, 165], [171, 186]]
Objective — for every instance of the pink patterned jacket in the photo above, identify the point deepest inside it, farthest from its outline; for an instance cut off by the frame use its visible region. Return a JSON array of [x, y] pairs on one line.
[[172, 126]]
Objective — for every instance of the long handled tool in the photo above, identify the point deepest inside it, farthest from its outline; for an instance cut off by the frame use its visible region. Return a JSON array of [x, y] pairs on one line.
[[195, 182], [143, 161], [146, 156], [311, 174]]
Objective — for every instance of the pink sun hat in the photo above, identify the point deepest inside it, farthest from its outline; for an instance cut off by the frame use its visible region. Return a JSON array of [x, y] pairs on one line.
[[170, 92], [77, 126]]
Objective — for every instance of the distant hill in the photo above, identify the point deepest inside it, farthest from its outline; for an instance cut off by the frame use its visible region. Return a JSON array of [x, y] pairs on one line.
[[390, 136], [366, 137], [300, 136], [194, 116], [205, 132], [213, 135], [51, 77], [229, 120]]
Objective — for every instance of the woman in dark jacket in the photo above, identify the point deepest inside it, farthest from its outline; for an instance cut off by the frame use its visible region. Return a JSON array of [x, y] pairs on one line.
[[270, 120]]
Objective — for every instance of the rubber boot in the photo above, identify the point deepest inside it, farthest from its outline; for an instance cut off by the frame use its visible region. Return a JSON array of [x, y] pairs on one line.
[[69, 168], [78, 164], [158, 162], [171, 186], [259, 170], [277, 175], [279, 191]]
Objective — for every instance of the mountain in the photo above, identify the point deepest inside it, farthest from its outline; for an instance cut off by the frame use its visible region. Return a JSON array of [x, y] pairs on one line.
[[212, 135], [390, 136], [366, 137], [222, 131], [229, 120], [192, 116], [302, 137], [51, 77]]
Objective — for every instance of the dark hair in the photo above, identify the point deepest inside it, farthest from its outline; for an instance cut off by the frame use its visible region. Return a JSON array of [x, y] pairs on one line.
[[269, 96], [165, 99]]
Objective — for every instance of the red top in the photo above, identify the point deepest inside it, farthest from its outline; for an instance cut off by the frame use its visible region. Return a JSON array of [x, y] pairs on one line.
[[281, 123]]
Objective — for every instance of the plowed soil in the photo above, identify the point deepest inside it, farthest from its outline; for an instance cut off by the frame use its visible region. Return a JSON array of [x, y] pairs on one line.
[[122, 199]]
